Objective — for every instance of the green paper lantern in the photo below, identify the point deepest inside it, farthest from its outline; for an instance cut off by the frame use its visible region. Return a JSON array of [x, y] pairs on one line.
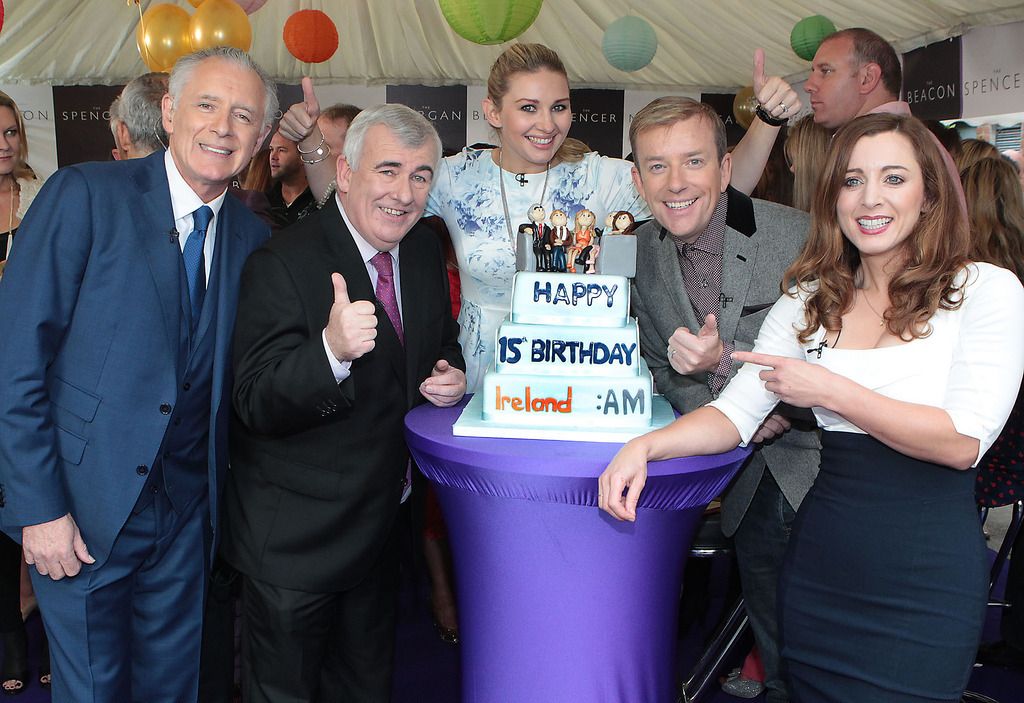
[[807, 35], [490, 21], [629, 43]]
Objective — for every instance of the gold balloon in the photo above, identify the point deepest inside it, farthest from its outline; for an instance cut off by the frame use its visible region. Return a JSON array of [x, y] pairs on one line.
[[743, 106], [163, 36], [195, 3], [220, 23]]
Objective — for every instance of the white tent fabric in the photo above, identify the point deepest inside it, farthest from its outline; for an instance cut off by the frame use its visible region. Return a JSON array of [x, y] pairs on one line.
[[702, 44]]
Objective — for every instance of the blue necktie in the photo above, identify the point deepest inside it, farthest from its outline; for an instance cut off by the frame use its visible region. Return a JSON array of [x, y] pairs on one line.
[[195, 266]]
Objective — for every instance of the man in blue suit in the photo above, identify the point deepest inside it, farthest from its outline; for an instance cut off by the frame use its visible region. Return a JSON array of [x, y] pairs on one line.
[[116, 313]]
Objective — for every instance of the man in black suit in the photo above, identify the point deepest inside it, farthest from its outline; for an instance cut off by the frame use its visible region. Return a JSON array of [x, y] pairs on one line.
[[344, 324]]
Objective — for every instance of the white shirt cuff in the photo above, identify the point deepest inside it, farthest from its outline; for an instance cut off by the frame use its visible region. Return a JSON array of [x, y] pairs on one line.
[[341, 369]]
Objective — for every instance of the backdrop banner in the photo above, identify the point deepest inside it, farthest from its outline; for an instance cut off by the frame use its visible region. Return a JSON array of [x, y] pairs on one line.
[[931, 80], [444, 106], [82, 123], [993, 70]]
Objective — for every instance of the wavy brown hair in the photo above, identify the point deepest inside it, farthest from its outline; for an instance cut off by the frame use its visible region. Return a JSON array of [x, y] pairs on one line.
[[995, 208], [531, 58], [933, 253], [971, 151]]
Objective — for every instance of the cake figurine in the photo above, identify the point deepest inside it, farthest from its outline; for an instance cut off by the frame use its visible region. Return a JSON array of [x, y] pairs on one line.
[[561, 240], [538, 237]]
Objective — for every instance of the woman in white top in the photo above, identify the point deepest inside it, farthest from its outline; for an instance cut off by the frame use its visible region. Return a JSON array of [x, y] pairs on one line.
[[910, 357]]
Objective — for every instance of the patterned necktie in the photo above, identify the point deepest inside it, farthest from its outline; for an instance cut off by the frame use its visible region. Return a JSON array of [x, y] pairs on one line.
[[195, 263], [386, 291]]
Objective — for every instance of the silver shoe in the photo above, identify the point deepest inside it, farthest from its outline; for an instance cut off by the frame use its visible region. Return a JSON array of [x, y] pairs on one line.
[[742, 688]]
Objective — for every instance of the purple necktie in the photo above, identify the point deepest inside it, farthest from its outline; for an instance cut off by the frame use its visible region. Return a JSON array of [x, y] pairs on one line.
[[386, 291]]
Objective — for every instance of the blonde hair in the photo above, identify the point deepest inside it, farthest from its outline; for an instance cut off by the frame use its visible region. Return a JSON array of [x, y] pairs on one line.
[[806, 147], [531, 58], [971, 151], [21, 167]]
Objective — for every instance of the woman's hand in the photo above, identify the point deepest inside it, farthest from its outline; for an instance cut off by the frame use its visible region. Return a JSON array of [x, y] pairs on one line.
[[794, 381], [628, 469]]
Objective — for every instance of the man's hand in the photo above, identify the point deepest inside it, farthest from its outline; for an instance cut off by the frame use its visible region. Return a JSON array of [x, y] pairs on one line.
[[446, 385], [795, 381], [689, 352], [299, 122], [775, 95], [55, 548], [351, 326], [773, 426]]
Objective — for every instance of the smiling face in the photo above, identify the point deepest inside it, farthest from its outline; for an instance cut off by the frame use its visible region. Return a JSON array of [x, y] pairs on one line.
[[10, 141], [559, 218], [679, 174], [882, 196], [216, 124], [385, 196], [533, 119], [835, 84]]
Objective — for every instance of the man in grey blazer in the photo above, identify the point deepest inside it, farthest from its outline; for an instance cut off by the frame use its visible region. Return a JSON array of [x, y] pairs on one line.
[[708, 271]]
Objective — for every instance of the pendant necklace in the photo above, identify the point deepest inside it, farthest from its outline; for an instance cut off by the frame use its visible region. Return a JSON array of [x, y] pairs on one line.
[[504, 200], [881, 318]]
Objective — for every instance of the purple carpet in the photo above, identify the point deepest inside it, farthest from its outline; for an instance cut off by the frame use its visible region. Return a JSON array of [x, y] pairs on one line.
[[427, 669]]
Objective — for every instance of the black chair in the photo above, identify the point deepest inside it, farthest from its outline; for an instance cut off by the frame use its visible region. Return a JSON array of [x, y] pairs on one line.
[[1012, 530], [710, 542]]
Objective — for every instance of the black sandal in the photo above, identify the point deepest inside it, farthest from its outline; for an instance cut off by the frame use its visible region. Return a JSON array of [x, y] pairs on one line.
[[14, 670], [44, 663]]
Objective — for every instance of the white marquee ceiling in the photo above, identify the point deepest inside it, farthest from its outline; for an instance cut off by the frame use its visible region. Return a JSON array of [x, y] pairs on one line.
[[703, 44]]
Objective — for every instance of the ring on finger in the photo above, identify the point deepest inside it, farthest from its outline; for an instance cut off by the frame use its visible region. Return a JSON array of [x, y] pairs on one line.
[[671, 353]]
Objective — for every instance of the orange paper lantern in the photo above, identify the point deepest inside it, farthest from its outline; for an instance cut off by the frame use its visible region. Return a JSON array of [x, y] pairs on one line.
[[311, 36]]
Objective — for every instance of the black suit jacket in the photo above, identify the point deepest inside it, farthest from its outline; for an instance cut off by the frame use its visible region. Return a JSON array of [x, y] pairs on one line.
[[317, 466]]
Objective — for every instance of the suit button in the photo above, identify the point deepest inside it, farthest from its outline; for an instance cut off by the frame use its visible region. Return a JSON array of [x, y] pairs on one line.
[[165, 408], [142, 469], [186, 386]]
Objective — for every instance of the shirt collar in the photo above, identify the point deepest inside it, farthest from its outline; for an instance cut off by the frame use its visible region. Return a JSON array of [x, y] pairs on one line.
[[366, 250], [184, 200], [712, 239]]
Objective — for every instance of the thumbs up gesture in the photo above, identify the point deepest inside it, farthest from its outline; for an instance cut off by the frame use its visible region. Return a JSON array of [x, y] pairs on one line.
[[299, 122], [689, 352], [775, 95], [351, 325]]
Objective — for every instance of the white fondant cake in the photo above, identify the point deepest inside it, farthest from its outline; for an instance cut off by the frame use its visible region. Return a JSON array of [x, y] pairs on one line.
[[567, 360]]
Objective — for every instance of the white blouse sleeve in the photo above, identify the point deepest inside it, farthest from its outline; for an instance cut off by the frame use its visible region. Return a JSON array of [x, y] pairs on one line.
[[988, 360], [745, 400]]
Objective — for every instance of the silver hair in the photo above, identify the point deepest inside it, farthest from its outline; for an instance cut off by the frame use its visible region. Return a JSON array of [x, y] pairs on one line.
[[411, 128], [115, 117], [139, 109], [186, 65]]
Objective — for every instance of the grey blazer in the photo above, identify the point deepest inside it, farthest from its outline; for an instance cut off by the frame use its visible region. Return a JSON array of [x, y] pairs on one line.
[[761, 240]]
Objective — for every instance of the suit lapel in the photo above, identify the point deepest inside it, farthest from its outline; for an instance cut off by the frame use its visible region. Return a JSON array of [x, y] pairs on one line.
[[414, 308], [351, 265], [158, 242], [738, 257], [667, 263]]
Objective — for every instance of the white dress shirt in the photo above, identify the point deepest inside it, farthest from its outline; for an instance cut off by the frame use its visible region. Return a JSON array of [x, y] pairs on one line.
[[184, 202]]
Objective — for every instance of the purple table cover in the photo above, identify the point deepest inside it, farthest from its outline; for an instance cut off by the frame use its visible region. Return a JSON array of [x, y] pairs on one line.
[[557, 600]]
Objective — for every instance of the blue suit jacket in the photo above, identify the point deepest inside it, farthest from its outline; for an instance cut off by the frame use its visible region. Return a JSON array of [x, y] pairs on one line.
[[89, 326]]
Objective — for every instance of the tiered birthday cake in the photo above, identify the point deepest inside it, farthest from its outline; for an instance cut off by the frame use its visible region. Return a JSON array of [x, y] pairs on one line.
[[567, 365]]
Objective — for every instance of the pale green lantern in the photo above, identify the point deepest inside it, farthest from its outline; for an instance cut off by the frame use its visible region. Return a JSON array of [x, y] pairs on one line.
[[629, 43], [807, 35], [490, 21]]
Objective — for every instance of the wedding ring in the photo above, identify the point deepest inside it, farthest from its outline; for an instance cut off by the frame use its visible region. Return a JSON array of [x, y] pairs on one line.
[[784, 108], [671, 353]]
